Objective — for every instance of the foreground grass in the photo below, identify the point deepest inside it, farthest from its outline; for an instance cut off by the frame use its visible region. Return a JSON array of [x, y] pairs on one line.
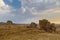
[[18, 33]]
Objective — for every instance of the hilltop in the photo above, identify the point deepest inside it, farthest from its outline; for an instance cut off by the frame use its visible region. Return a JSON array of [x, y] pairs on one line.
[[18, 33]]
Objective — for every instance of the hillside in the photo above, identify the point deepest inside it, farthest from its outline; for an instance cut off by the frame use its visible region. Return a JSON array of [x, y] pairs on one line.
[[18, 33]]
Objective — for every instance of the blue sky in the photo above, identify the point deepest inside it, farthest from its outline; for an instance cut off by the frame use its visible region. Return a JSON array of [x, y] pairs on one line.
[[27, 11], [15, 3]]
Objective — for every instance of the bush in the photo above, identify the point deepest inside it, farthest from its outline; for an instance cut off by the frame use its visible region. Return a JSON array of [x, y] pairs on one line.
[[9, 22], [32, 25], [47, 26]]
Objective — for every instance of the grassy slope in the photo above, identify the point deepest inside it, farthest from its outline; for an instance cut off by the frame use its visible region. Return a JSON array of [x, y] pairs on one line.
[[17, 33]]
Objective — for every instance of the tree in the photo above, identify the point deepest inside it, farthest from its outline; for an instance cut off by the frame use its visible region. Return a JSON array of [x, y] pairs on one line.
[[52, 27], [43, 23], [9, 22], [32, 25], [47, 26]]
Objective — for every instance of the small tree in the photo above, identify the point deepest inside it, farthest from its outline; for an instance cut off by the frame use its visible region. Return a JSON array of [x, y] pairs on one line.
[[52, 27], [43, 23], [32, 25], [47, 26], [9, 23]]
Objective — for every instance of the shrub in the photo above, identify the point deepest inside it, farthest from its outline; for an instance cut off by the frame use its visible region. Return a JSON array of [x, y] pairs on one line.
[[32, 25], [47, 26]]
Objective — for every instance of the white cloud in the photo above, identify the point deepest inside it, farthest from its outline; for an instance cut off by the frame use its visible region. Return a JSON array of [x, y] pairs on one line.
[[48, 11], [52, 15], [11, 1], [4, 8], [42, 9], [58, 3], [2, 3], [23, 9], [35, 1], [39, 5]]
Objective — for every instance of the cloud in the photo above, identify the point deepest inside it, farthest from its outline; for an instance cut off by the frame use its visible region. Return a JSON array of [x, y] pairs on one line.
[[2, 3], [5, 12], [51, 14], [11, 1], [31, 11], [34, 10], [40, 4], [23, 9], [4, 8]]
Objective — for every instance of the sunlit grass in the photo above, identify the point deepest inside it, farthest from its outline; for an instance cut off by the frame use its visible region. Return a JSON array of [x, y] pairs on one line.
[[22, 33]]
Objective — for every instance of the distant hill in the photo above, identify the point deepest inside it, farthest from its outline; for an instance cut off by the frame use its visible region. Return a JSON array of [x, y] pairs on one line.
[[57, 25], [2, 23]]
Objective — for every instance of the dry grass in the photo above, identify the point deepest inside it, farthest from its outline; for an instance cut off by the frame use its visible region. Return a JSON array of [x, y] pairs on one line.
[[20, 33]]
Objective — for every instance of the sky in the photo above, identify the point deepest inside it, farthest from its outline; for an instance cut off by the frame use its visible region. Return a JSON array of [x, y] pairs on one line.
[[27, 11]]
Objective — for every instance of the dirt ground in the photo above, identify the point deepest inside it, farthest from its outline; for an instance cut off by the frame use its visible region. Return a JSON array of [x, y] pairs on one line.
[[18, 33]]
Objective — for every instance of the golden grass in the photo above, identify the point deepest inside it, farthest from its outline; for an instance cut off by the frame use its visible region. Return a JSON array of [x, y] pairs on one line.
[[18, 33]]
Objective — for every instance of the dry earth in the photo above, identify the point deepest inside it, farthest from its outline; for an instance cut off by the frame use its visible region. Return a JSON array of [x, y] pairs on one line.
[[17, 33]]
